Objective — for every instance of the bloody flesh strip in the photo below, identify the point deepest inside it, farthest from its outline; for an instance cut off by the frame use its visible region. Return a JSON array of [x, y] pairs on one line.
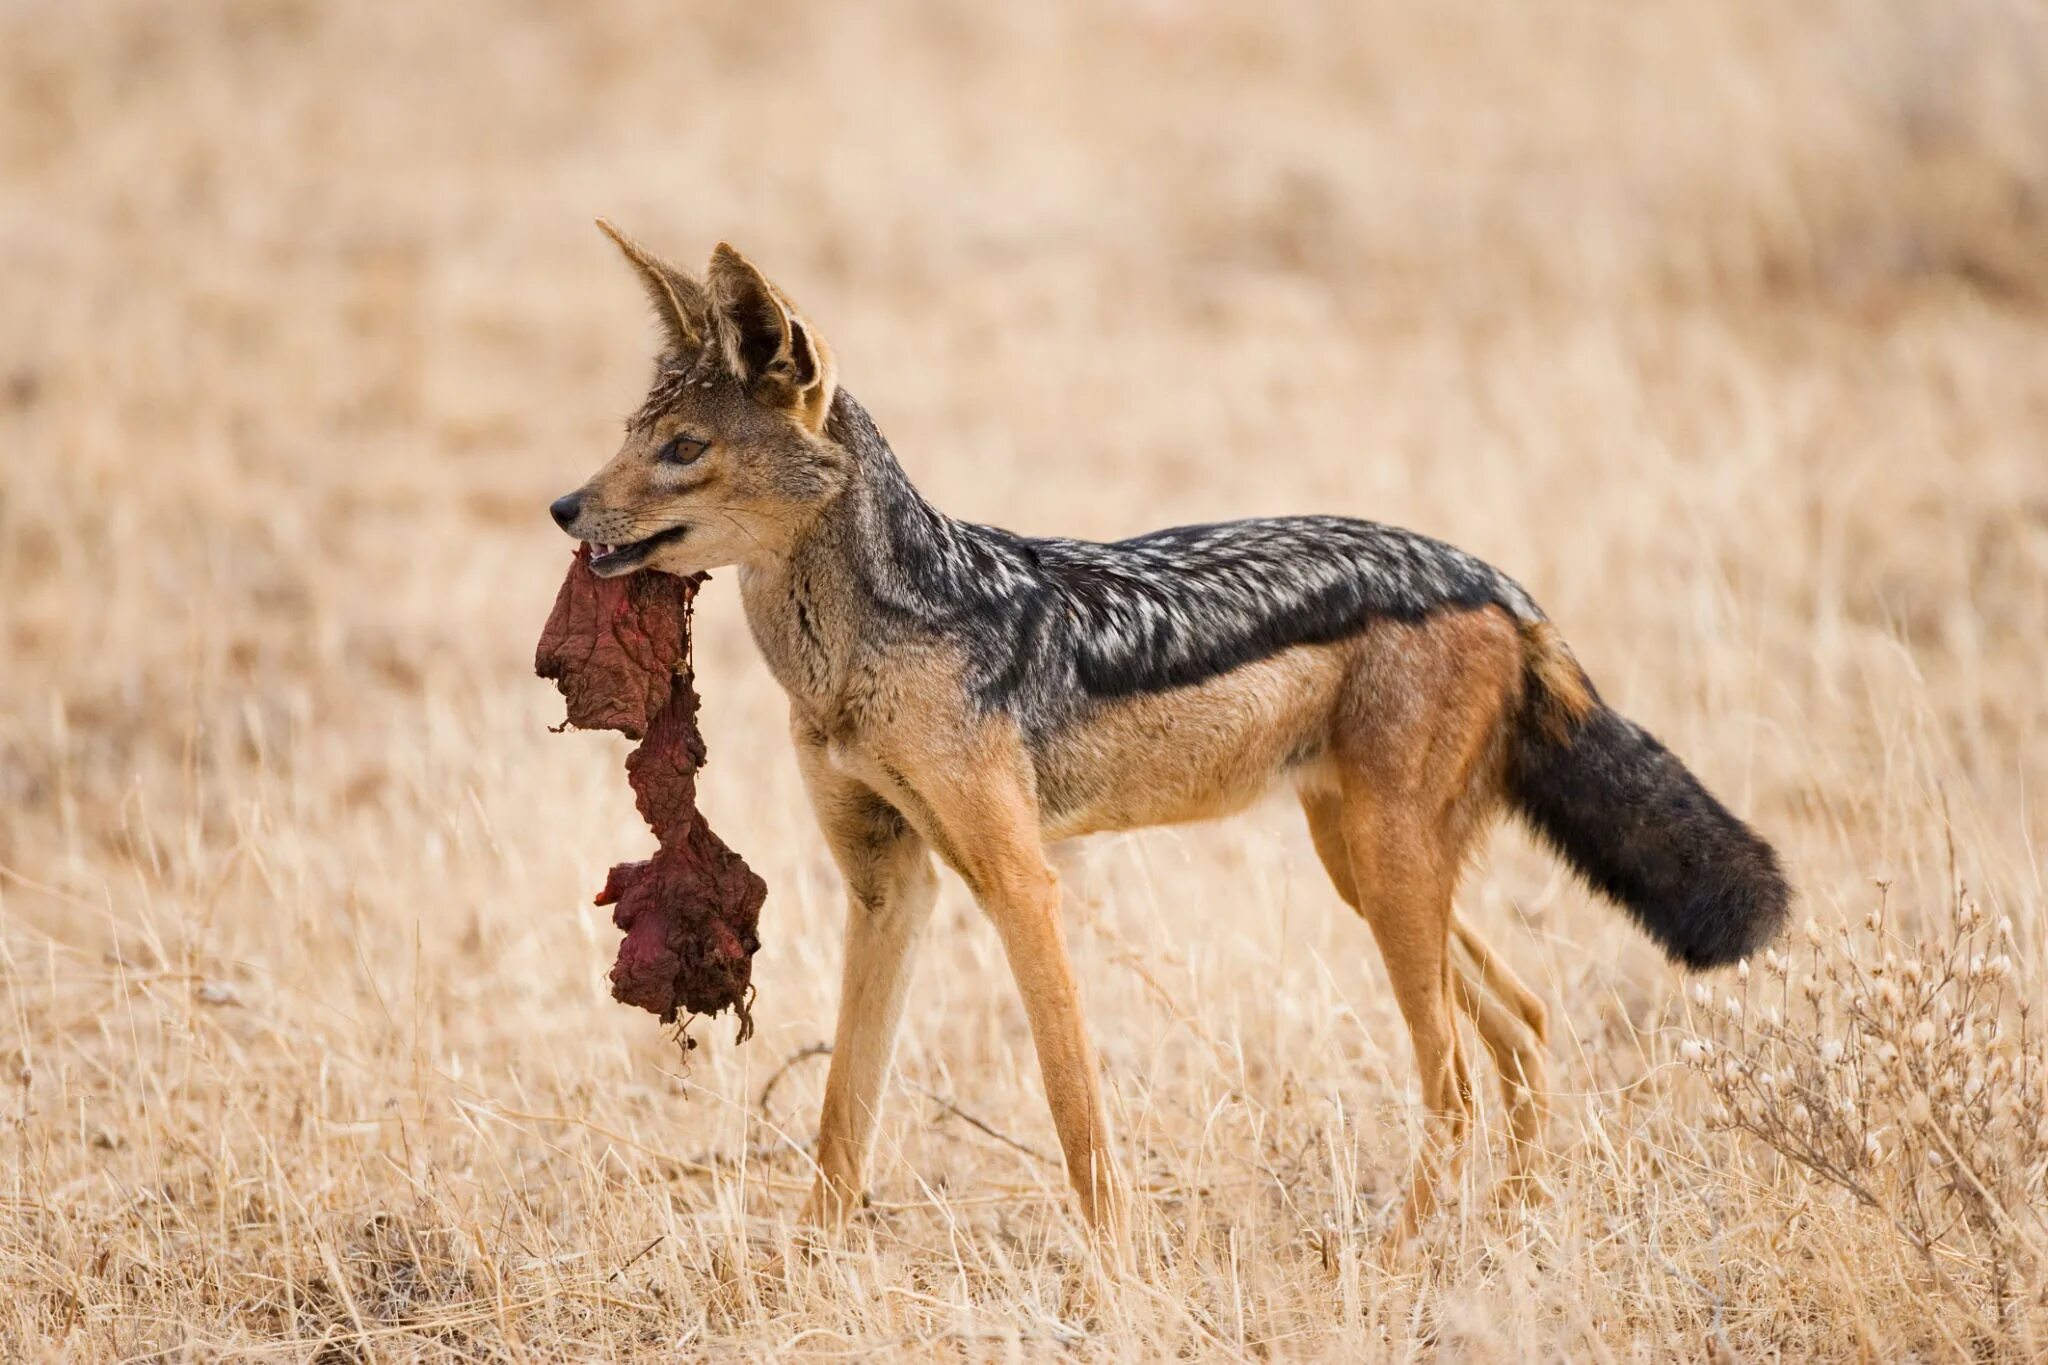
[[619, 650]]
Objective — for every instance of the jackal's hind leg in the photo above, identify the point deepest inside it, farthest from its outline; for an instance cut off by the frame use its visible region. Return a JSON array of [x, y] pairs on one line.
[[1515, 1028], [1399, 880], [1511, 1020]]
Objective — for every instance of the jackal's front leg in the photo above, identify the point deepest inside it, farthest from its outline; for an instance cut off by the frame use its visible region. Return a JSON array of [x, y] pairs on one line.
[[1024, 902], [890, 888], [980, 813]]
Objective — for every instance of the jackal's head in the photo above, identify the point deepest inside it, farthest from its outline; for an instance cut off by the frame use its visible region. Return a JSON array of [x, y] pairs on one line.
[[727, 460]]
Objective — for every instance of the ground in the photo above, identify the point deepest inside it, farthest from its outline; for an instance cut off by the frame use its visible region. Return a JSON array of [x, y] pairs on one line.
[[1717, 326]]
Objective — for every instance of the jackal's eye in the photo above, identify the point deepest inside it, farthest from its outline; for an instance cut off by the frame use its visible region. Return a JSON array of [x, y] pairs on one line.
[[682, 450]]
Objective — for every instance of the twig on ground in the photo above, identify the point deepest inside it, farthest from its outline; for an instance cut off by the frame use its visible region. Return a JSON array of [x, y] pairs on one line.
[[803, 1053], [636, 1257], [1000, 1136]]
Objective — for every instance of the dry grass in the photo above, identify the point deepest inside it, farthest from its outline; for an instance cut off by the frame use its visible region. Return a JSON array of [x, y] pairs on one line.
[[1719, 325]]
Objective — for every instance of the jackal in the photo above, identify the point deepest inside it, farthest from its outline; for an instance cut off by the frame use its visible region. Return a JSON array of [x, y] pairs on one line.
[[960, 691]]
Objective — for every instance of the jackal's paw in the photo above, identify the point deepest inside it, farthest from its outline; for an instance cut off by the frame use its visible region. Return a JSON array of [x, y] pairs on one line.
[[828, 1209]]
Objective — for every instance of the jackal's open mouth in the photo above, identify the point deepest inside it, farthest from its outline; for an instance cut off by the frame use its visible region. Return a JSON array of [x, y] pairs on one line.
[[609, 561]]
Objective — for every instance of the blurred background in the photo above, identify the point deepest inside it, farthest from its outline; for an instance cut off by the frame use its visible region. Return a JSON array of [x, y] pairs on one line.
[[1717, 326]]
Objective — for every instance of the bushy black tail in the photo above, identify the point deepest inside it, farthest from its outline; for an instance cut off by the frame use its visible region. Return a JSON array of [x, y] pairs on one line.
[[1628, 817]]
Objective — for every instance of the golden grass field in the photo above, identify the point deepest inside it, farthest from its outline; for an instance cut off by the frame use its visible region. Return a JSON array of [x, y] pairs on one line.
[[1719, 326]]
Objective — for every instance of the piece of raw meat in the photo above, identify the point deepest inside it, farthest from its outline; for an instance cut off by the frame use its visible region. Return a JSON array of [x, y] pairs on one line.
[[619, 650]]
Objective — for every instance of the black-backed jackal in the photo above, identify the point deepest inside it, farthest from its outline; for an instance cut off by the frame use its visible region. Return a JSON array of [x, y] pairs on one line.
[[959, 691]]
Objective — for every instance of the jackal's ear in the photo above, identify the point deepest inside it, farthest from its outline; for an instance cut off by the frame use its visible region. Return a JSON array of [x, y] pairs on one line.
[[779, 357], [679, 301]]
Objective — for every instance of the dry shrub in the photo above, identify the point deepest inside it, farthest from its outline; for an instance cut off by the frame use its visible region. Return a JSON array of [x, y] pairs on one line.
[[1909, 1073]]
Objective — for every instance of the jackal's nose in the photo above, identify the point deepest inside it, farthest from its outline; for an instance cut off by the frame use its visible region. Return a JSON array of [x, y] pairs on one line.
[[565, 509]]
